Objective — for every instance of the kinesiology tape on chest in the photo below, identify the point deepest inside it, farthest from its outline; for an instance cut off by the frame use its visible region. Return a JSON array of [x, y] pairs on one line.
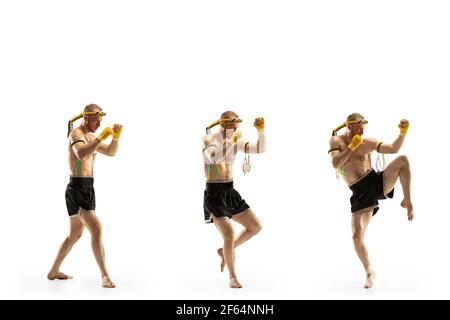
[[216, 152]]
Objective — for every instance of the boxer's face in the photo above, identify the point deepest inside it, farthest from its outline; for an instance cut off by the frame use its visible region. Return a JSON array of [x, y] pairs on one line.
[[93, 122], [357, 128], [231, 124]]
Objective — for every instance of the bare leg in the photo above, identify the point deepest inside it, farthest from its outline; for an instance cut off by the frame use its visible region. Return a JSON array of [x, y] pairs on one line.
[[94, 226], [399, 168], [251, 223], [222, 259], [76, 230], [252, 227], [360, 221], [226, 230]]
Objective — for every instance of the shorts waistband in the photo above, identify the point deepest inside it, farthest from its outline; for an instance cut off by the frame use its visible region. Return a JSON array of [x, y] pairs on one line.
[[219, 186], [359, 179], [84, 182]]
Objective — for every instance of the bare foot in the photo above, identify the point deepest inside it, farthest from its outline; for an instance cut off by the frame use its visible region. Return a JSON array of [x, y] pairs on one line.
[[58, 275], [234, 284], [107, 283], [369, 280], [409, 207], [222, 259]]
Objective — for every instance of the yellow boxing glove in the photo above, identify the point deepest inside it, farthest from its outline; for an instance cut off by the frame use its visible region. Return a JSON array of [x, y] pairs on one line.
[[117, 130], [259, 126], [236, 136], [105, 134], [356, 142], [404, 130]]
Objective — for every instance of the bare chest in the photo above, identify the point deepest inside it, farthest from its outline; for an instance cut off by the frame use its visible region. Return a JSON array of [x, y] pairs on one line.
[[360, 155]]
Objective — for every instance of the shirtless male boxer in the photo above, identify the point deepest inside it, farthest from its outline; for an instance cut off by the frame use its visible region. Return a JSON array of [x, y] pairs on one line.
[[80, 195], [222, 203], [351, 154]]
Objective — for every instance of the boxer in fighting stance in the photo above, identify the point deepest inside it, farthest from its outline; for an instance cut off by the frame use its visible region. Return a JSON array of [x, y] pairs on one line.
[[351, 155], [80, 195], [222, 203]]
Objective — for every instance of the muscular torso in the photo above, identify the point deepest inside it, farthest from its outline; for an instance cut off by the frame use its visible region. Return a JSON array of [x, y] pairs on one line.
[[77, 167], [359, 163], [219, 172], [223, 156]]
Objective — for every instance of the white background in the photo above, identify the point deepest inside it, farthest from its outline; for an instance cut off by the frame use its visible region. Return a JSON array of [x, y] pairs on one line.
[[165, 70]]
